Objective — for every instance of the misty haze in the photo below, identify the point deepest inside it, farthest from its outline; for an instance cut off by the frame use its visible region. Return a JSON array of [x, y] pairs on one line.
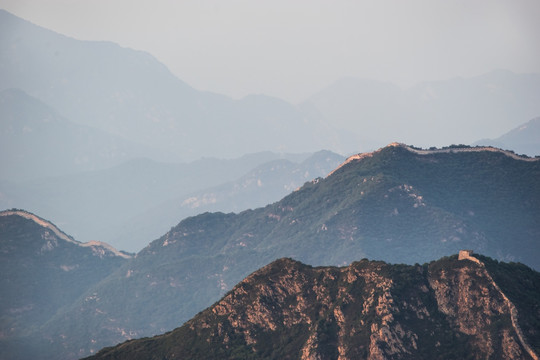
[[153, 156]]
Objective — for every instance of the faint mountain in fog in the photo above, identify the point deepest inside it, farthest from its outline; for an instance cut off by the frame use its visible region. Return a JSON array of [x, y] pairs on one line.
[[437, 112], [524, 139], [263, 185], [130, 93], [35, 141], [100, 205], [368, 108]]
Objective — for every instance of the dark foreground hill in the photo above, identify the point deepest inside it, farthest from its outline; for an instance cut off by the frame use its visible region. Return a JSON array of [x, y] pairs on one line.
[[447, 309], [398, 204]]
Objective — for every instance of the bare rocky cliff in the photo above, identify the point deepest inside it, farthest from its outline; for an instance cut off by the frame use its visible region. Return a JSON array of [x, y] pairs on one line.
[[448, 309]]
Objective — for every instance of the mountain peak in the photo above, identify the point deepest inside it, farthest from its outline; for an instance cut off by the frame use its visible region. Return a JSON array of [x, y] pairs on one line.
[[461, 149], [105, 248], [434, 151], [369, 309]]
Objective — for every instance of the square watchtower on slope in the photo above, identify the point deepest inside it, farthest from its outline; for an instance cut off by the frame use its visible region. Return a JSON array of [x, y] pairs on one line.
[[464, 254]]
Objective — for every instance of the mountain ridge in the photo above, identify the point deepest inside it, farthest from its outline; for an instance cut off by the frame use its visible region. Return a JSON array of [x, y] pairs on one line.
[[459, 110], [129, 93], [185, 123], [62, 235], [522, 139], [369, 309], [43, 270], [396, 206], [265, 183], [135, 190], [36, 141], [445, 150]]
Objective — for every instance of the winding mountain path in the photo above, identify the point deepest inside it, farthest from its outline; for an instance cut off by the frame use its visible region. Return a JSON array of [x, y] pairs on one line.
[[452, 150], [511, 307], [466, 149]]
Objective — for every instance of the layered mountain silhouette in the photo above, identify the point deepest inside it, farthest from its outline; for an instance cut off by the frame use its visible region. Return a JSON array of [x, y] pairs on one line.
[[448, 309], [460, 110], [137, 201], [36, 142], [524, 139], [129, 93], [262, 185], [76, 117], [398, 204], [68, 106]]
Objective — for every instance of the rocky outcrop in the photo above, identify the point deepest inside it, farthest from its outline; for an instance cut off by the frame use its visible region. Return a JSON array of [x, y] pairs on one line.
[[449, 309], [466, 255]]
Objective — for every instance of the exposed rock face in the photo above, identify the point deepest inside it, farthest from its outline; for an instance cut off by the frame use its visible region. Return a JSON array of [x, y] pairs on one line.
[[449, 309]]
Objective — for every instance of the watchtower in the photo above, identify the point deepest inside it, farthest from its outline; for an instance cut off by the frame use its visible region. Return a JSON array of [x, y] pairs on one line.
[[464, 254]]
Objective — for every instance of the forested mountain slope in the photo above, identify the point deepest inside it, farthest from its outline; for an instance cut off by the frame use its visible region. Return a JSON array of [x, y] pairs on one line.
[[398, 204]]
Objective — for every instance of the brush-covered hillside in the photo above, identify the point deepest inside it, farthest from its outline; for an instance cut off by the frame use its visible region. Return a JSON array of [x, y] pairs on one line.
[[398, 204], [42, 270]]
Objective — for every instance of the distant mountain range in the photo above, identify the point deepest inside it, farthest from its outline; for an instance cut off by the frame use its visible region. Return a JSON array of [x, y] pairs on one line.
[[76, 117], [474, 308], [135, 202], [524, 139], [262, 185], [36, 142], [130, 94], [398, 204], [457, 111]]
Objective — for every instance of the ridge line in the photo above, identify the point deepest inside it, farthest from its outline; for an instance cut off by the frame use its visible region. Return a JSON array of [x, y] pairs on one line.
[[509, 304], [62, 235]]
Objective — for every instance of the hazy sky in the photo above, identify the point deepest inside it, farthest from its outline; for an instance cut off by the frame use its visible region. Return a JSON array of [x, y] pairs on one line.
[[291, 49]]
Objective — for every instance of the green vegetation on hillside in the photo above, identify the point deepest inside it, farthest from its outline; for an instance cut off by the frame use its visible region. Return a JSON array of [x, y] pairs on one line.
[[392, 205]]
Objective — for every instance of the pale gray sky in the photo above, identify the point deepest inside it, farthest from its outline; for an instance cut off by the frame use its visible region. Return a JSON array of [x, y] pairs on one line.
[[292, 48]]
